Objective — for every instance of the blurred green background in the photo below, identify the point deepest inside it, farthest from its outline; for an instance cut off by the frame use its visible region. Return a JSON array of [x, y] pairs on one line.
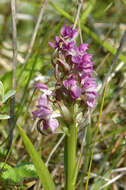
[[102, 24]]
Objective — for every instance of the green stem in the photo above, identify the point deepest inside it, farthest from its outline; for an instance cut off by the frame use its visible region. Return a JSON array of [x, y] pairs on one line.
[[70, 157]]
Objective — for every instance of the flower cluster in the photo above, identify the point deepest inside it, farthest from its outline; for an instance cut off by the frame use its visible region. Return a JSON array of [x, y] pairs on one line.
[[74, 78], [45, 110], [78, 78]]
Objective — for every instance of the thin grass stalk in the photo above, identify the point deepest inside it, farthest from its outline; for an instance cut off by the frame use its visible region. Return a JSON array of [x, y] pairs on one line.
[[9, 152], [114, 61], [87, 11], [87, 138], [12, 102], [97, 127], [39, 19], [87, 153]]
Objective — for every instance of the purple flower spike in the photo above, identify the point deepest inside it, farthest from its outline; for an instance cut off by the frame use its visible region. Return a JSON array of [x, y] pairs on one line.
[[79, 78], [73, 69]]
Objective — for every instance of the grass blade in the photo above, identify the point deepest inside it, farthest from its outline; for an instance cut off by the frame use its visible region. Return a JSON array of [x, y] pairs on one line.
[[4, 117], [9, 94], [87, 11], [92, 153], [1, 90], [41, 169]]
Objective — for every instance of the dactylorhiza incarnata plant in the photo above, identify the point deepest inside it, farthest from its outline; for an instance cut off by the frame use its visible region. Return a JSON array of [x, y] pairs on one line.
[[75, 88], [74, 79]]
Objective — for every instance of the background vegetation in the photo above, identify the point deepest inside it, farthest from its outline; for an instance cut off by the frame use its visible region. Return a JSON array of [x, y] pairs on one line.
[[102, 25]]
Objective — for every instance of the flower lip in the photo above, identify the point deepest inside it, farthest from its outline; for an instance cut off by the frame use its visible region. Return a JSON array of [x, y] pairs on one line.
[[42, 112], [70, 82], [41, 86], [42, 101], [83, 47], [75, 92], [91, 94], [90, 102], [56, 45], [67, 31], [44, 88], [52, 124]]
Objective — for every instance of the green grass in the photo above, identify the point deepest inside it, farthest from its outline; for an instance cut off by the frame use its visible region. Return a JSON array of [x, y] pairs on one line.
[[17, 170]]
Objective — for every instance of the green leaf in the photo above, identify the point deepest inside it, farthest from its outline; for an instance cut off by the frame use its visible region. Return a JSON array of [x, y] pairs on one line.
[[19, 172], [1, 90], [4, 117], [41, 169], [87, 11], [6, 166], [8, 95], [2, 153], [69, 17]]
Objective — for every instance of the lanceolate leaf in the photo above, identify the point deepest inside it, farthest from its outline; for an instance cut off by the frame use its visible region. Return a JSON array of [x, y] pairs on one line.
[[1, 90], [8, 95], [18, 173], [41, 169], [4, 117]]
